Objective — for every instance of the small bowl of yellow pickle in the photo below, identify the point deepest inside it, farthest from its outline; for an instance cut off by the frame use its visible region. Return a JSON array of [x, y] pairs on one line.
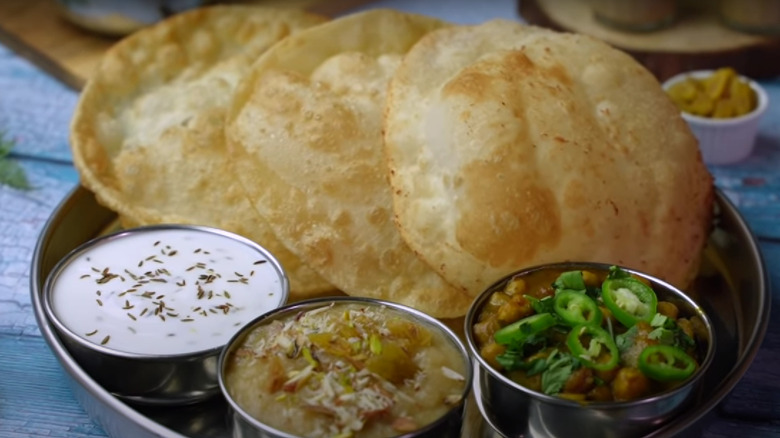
[[723, 110]]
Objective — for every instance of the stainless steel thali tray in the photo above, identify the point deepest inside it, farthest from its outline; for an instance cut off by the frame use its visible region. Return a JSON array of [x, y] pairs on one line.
[[732, 287]]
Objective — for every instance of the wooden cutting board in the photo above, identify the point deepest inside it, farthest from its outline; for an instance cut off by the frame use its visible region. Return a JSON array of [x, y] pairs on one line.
[[37, 30], [697, 40]]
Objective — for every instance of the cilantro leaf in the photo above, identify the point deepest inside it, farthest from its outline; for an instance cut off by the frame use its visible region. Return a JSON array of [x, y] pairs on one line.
[[559, 368], [555, 368], [683, 341], [667, 332], [536, 366], [514, 358], [545, 305], [625, 341], [511, 360], [662, 335]]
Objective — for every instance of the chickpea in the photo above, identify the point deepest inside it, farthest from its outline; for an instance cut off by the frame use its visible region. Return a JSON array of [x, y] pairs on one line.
[[541, 292], [572, 396], [490, 351], [497, 299], [699, 329], [509, 313], [523, 301], [608, 375], [591, 279], [641, 340], [534, 383], [629, 384], [580, 382], [668, 309], [516, 286], [517, 308], [484, 330], [600, 393], [686, 326]]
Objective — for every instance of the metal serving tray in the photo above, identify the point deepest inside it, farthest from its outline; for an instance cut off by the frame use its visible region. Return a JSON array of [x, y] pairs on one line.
[[732, 287]]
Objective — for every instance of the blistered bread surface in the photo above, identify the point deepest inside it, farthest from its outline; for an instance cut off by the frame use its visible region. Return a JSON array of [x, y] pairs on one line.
[[306, 131], [511, 146], [148, 132]]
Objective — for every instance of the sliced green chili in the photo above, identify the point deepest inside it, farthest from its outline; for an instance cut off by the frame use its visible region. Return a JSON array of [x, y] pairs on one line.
[[570, 280], [518, 332], [629, 300], [593, 346], [666, 363], [576, 308]]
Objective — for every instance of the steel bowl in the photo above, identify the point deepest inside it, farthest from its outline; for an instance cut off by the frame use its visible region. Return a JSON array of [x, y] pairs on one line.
[[516, 411], [245, 425], [170, 376]]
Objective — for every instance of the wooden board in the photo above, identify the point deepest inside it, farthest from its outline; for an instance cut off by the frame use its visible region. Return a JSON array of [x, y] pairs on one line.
[[37, 30], [697, 40]]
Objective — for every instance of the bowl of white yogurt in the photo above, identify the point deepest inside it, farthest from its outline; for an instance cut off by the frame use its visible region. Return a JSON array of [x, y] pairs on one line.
[[146, 311]]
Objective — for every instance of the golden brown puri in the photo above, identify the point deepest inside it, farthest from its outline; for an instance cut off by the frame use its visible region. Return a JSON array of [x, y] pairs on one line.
[[511, 146], [148, 132], [305, 131]]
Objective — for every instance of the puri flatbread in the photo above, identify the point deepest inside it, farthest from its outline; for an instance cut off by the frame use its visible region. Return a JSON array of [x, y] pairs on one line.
[[511, 146], [305, 131], [148, 132]]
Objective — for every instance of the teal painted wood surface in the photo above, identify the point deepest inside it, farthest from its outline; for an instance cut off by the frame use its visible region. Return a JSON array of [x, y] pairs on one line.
[[35, 399], [35, 110]]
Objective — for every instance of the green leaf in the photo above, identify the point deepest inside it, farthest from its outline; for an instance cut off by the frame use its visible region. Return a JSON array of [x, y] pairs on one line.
[[559, 368], [511, 360], [11, 173], [667, 332], [5, 145], [536, 366], [514, 357], [662, 335], [625, 340], [545, 305]]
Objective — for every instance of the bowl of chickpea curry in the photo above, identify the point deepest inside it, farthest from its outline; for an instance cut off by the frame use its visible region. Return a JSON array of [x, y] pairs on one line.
[[613, 351]]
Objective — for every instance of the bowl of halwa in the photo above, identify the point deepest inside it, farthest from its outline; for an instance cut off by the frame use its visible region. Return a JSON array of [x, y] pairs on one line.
[[612, 351], [345, 367], [723, 110]]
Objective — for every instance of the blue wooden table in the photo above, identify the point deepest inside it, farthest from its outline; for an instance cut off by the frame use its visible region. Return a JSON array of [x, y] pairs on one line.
[[35, 109]]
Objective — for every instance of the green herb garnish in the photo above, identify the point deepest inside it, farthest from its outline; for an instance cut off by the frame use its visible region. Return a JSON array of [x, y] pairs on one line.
[[544, 305], [11, 173], [559, 368], [667, 332]]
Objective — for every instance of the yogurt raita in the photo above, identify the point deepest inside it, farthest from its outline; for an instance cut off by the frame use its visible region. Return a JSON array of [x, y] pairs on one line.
[[165, 290]]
